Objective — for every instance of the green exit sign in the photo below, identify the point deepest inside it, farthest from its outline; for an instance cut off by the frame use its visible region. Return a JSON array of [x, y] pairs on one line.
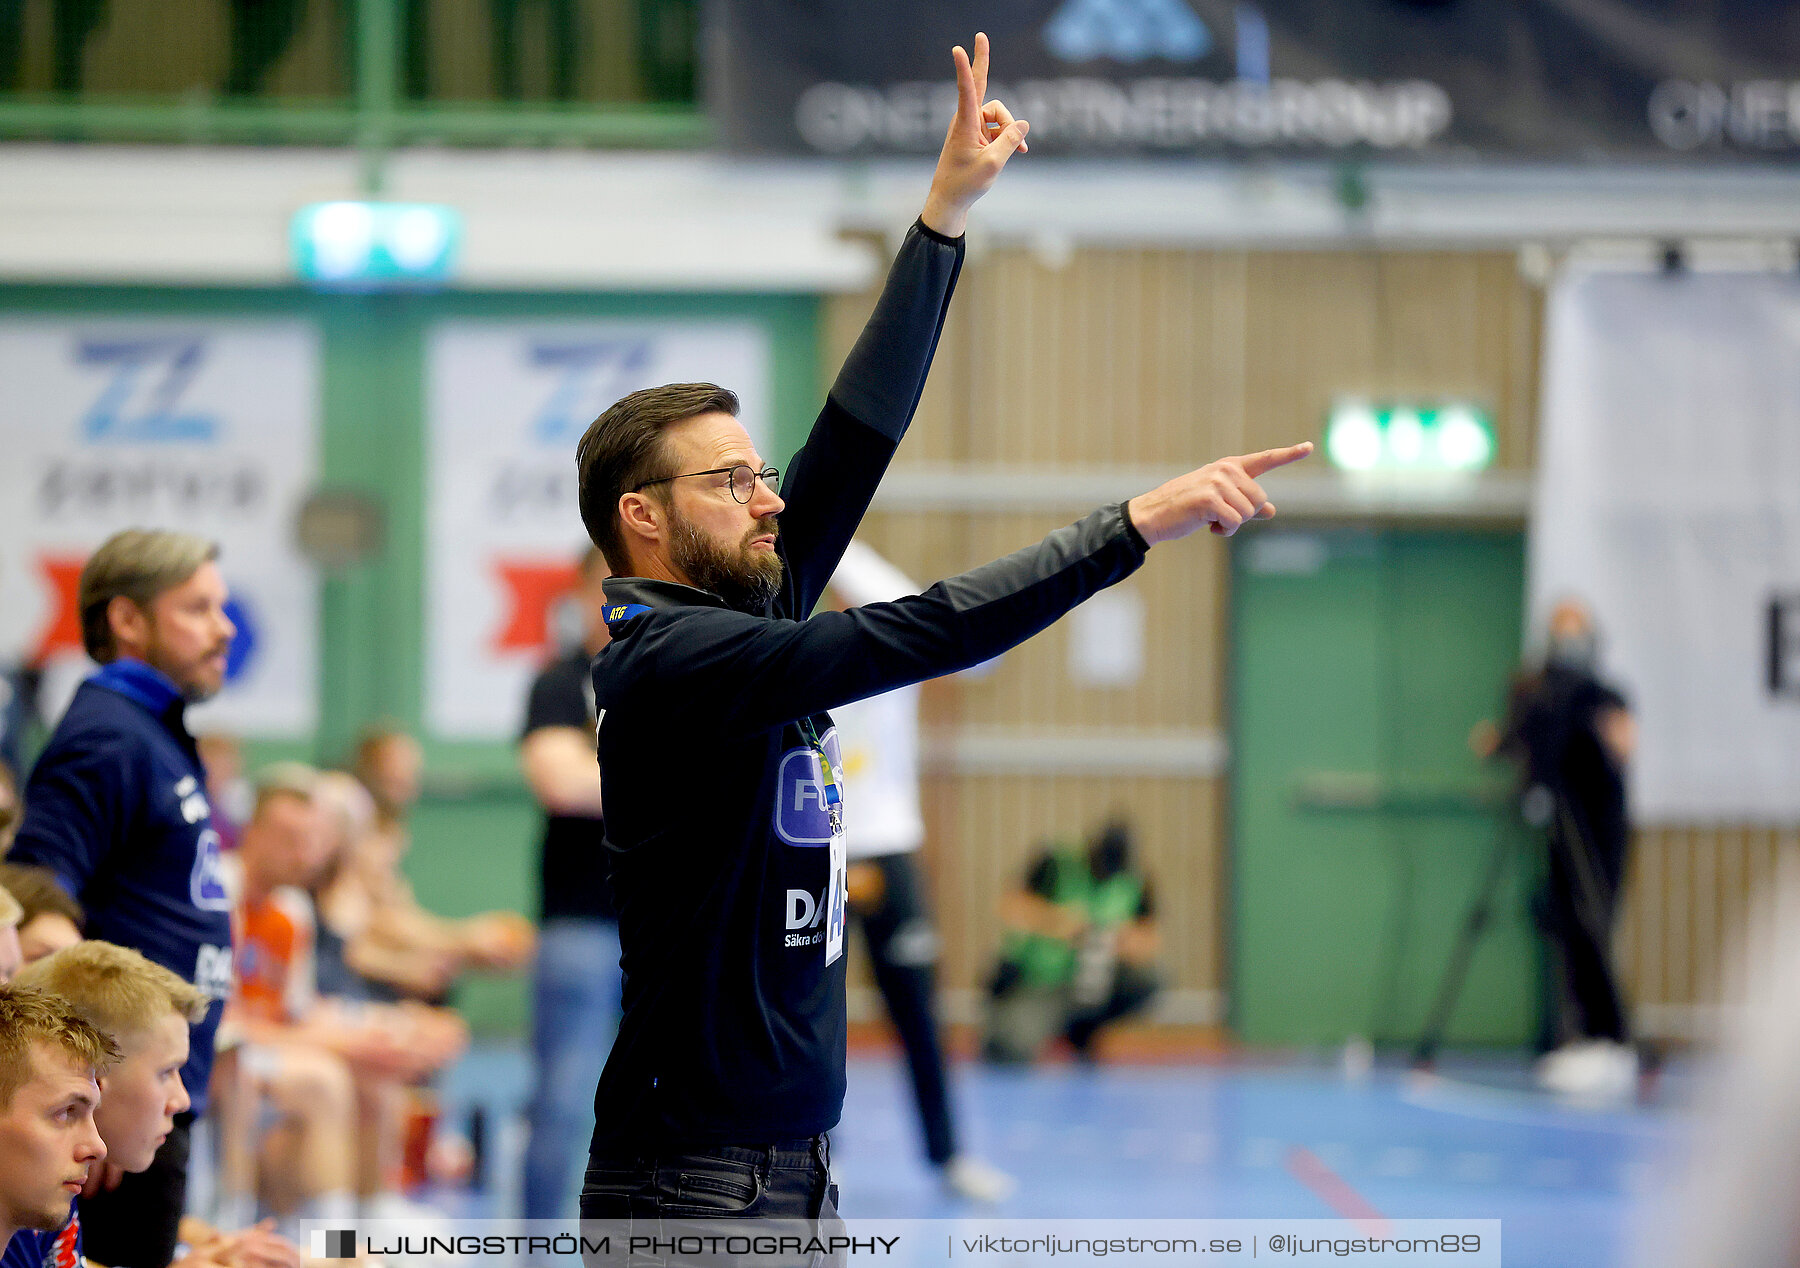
[[373, 245], [1409, 436]]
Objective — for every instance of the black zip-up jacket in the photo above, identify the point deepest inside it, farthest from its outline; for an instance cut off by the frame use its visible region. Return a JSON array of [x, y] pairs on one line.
[[717, 833]]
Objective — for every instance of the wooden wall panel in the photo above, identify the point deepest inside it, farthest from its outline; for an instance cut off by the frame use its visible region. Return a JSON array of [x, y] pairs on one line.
[[1387, 325], [1689, 895], [1161, 357], [1127, 358], [1181, 591], [985, 830]]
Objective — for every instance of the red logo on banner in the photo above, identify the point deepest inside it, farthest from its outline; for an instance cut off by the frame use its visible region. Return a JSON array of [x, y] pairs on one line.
[[62, 632], [532, 587]]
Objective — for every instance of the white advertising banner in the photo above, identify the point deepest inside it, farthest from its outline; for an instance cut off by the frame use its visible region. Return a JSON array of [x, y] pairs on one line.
[[507, 403], [1669, 498], [208, 426]]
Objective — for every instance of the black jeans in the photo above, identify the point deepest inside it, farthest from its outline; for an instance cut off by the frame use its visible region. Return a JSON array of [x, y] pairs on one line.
[[1132, 987], [655, 1208], [1587, 865]]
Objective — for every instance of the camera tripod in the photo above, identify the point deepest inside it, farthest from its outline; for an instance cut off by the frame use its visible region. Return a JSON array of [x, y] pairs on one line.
[[1548, 816], [1536, 810]]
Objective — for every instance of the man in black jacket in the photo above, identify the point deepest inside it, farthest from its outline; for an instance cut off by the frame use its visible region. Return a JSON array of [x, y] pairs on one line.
[[575, 980], [719, 766]]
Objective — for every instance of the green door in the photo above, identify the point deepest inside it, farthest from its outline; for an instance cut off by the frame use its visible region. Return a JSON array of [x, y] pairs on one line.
[[1361, 821]]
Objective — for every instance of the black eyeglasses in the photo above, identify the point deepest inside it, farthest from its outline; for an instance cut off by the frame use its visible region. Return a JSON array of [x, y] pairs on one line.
[[743, 480]]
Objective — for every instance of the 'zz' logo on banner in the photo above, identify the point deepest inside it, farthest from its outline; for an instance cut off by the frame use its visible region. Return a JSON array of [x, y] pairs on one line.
[[142, 399], [593, 370]]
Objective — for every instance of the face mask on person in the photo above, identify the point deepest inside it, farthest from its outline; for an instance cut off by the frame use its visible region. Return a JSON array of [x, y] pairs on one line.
[[1573, 651], [1110, 855]]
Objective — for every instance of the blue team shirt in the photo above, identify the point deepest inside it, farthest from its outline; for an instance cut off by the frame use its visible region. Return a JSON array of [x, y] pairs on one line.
[[32, 1249], [117, 808]]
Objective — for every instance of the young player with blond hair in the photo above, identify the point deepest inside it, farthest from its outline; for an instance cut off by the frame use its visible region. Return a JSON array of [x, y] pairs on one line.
[[146, 1011], [51, 1060]]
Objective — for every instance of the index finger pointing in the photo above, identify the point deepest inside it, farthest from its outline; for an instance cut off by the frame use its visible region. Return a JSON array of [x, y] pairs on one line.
[[1257, 463]]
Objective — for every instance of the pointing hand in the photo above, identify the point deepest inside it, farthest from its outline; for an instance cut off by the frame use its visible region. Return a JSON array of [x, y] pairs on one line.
[[1222, 496]]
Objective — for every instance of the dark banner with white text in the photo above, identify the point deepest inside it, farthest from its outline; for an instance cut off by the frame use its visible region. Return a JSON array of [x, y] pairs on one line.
[[1560, 80]]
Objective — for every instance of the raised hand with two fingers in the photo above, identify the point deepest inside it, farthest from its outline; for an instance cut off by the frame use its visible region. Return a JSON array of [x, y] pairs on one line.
[[983, 135]]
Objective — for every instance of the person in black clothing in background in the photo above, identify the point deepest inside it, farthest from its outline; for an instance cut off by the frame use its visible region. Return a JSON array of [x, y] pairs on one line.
[[1573, 735], [575, 986], [719, 766]]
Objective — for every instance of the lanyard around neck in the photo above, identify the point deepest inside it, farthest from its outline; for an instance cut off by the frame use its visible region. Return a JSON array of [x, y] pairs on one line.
[[833, 794]]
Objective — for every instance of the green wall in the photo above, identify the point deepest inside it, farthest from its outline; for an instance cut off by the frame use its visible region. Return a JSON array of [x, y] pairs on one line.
[[475, 833], [1362, 822]]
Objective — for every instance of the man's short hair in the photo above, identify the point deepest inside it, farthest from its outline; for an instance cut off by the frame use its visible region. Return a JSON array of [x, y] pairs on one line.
[[28, 1016], [137, 564], [37, 891], [113, 988], [623, 448], [11, 911], [284, 779]]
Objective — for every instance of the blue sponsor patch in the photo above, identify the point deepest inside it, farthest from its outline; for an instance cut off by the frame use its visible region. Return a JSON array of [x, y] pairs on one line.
[[206, 884], [801, 814]]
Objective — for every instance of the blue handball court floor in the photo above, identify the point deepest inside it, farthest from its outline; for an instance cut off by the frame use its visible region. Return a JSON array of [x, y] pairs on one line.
[[1253, 1137]]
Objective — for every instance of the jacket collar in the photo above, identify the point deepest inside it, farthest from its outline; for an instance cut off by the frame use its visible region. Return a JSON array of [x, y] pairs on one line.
[[658, 594], [139, 682]]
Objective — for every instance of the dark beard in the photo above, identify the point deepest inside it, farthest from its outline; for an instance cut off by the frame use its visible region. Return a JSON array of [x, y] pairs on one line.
[[745, 578], [193, 691]]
